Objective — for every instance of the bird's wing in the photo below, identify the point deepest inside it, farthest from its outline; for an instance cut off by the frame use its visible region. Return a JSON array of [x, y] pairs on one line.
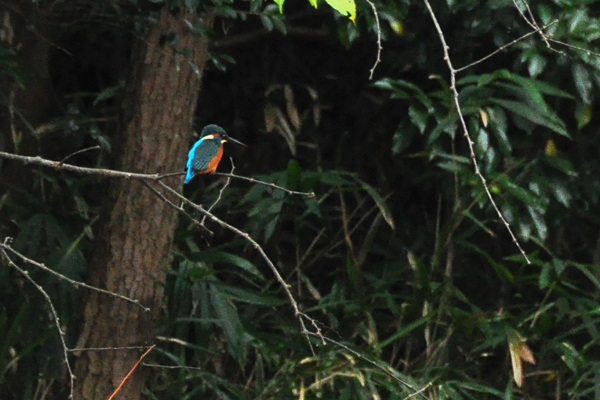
[[204, 152]]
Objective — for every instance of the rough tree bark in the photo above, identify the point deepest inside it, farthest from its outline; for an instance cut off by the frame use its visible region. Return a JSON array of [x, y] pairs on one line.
[[132, 255]]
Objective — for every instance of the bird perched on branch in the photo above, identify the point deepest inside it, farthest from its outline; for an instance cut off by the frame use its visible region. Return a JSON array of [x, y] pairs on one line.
[[206, 153]]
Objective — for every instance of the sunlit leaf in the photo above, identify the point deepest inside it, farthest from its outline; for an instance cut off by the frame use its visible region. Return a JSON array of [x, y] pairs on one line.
[[344, 7], [280, 5], [550, 148], [518, 350]]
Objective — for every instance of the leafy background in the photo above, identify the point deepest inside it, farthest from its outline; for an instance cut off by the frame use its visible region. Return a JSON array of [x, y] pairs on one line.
[[400, 255]]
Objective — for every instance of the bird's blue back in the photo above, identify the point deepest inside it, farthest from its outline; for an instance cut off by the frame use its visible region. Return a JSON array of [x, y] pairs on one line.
[[200, 155]]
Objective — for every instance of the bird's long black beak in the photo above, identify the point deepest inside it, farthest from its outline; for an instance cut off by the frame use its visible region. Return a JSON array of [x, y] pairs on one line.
[[229, 138]]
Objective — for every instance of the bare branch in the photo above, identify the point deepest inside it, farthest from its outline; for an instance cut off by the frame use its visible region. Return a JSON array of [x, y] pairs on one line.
[[176, 207], [40, 289], [111, 173], [310, 195], [572, 46], [130, 373], [466, 131], [499, 49], [379, 47], [4, 246], [107, 348], [78, 152], [220, 191]]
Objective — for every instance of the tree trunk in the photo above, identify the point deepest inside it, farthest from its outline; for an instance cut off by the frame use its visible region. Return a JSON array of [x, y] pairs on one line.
[[133, 253]]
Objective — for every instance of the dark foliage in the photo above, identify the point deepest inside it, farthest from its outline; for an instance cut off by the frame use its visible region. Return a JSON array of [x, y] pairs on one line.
[[400, 255]]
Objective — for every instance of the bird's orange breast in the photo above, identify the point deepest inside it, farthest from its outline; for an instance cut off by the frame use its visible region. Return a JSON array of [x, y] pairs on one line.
[[212, 164]]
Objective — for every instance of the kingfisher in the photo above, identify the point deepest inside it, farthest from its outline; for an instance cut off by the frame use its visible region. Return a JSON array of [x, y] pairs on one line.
[[207, 152]]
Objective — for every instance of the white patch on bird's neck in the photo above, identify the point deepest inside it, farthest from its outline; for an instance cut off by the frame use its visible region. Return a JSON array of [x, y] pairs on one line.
[[209, 137]]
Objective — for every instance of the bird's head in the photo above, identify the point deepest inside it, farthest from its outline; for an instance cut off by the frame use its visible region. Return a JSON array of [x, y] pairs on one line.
[[217, 132], [213, 130]]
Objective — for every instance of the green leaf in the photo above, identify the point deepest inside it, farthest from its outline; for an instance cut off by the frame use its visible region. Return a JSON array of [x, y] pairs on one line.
[[246, 296], [379, 201], [537, 64], [500, 269], [222, 257], [255, 6], [231, 324], [539, 222], [589, 272], [344, 7], [482, 141], [533, 84], [408, 328], [418, 117], [583, 114], [266, 21], [109, 92], [499, 127], [280, 4], [294, 174], [525, 111], [545, 277], [483, 80], [583, 82], [279, 24], [313, 3], [562, 194]]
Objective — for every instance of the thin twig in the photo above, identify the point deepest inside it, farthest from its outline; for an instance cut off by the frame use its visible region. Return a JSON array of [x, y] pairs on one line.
[[220, 191], [107, 348], [379, 47], [572, 46], [78, 152], [499, 49], [533, 23], [176, 207], [310, 195], [61, 334], [466, 131], [80, 170], [75, 283], [130, 373], [173, 367]]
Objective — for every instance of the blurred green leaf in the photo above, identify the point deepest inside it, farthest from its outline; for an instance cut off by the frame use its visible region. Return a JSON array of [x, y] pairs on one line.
[[534, 115], [418, 116], [405, 330], [230, 323], [221, 257], [379, 201], [583, 114]]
